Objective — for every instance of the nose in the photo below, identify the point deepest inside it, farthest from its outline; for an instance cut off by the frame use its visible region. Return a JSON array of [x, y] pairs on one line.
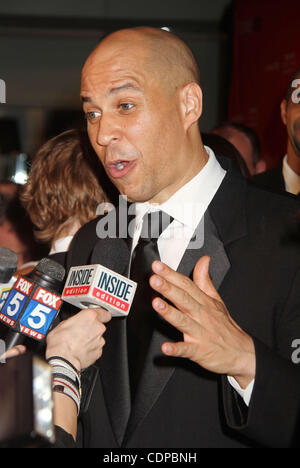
[[108, 130]]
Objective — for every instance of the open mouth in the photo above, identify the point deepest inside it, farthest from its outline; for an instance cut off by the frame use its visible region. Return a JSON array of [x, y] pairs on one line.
[[120, 168]]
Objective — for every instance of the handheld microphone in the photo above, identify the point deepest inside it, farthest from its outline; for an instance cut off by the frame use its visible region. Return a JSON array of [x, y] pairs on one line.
[[102, 285], [33, 303], [8, 266]]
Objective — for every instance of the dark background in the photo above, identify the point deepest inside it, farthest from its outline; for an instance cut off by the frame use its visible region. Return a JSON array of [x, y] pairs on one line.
[[246, 50]]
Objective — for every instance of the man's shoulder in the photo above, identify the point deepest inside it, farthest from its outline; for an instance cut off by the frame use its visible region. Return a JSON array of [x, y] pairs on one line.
[[269, 200], [87, 233], [83, 243], [104, 229], [242, 199], [273, 215], [271, 179]]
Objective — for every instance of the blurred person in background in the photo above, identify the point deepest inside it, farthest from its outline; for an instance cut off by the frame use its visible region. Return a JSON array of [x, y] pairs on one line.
[[223, 147], [9, 188], [286, 176], [246, 141], [64, 189], [17, 233]]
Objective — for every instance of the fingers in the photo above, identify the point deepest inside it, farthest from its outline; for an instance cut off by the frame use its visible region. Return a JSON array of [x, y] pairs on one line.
[[101, 314], [180, 349], [179, 296], [13, 352], [191, 330], [202, 278], [17, 350], [79, 338], [180, 281], [183, 322]]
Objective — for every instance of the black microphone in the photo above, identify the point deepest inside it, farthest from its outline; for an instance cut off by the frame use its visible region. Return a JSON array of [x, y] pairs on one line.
[[8, 266], [33, 303], [113, 254]]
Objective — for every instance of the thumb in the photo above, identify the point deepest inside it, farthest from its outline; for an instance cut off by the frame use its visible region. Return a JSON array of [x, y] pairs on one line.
[[202, 279]]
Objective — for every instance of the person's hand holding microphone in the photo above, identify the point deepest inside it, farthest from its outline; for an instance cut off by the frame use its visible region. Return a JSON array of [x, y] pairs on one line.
[[76, 343]]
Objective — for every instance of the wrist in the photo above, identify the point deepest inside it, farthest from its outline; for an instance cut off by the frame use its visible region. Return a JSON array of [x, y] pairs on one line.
[[66, 379], [245, 363], [64, 354]]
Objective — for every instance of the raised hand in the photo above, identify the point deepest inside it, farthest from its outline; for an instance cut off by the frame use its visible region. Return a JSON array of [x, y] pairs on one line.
[[211, 338]]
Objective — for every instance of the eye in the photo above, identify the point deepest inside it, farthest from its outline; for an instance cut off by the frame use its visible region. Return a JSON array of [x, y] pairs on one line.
[[126, 106], [92, 116]]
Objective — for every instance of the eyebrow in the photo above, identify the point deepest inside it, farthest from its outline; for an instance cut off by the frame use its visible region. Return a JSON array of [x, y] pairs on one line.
[[115, 90], [124, 87]]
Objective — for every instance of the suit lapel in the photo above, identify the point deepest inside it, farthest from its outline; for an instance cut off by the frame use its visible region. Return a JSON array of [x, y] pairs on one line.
[[213, 247], [114, 375]]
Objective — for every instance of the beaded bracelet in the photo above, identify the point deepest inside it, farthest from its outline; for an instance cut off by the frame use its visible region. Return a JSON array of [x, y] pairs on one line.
[[65, 379]]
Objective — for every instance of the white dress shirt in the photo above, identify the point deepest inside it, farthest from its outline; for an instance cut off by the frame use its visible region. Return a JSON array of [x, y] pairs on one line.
[[61, 245], [187, 206], [291, 178]]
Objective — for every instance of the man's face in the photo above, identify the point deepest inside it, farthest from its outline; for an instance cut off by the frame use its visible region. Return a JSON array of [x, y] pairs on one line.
[[134, 125], [291, 118]]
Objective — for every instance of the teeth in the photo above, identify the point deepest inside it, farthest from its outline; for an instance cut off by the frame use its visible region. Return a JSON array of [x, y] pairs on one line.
[[120, 166]]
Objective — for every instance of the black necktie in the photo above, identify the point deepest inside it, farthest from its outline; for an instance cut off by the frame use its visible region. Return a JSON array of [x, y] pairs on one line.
[[140, 322]]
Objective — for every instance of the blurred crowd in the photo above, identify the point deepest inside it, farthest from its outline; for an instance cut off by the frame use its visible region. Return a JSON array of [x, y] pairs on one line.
[[65, 187]]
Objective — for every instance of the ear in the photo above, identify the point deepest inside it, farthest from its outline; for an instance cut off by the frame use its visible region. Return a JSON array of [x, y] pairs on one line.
[[283, 111], [191, 104], [261, 166]]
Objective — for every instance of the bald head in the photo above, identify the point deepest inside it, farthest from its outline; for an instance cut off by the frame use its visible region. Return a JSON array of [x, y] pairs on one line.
[[142, 102], [161, 53]]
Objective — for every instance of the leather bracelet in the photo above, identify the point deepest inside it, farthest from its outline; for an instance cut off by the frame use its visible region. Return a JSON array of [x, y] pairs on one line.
[[60, 386]]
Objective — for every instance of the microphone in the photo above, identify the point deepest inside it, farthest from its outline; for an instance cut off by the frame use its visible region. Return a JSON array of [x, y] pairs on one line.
[[8, 266], [102, 285], [33, 303]]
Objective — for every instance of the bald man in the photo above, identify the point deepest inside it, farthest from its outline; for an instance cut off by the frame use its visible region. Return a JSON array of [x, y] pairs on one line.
[[226, 300]]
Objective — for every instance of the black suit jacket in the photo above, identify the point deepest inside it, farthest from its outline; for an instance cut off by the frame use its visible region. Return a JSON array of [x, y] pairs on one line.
[[179, 404], [271, 179]]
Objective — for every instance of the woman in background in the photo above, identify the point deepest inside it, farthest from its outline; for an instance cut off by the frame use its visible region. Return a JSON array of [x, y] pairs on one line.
[[64, 189]]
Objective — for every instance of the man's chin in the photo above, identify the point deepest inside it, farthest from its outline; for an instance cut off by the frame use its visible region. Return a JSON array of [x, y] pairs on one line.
[[135, 197]]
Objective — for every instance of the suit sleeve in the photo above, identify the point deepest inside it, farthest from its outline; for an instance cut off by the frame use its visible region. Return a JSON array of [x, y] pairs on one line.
[[273, 416], [63, 439]]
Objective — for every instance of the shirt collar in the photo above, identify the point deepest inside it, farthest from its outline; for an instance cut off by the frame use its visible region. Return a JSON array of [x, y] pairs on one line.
[[291, 178], [61, 245], [190, 202]]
